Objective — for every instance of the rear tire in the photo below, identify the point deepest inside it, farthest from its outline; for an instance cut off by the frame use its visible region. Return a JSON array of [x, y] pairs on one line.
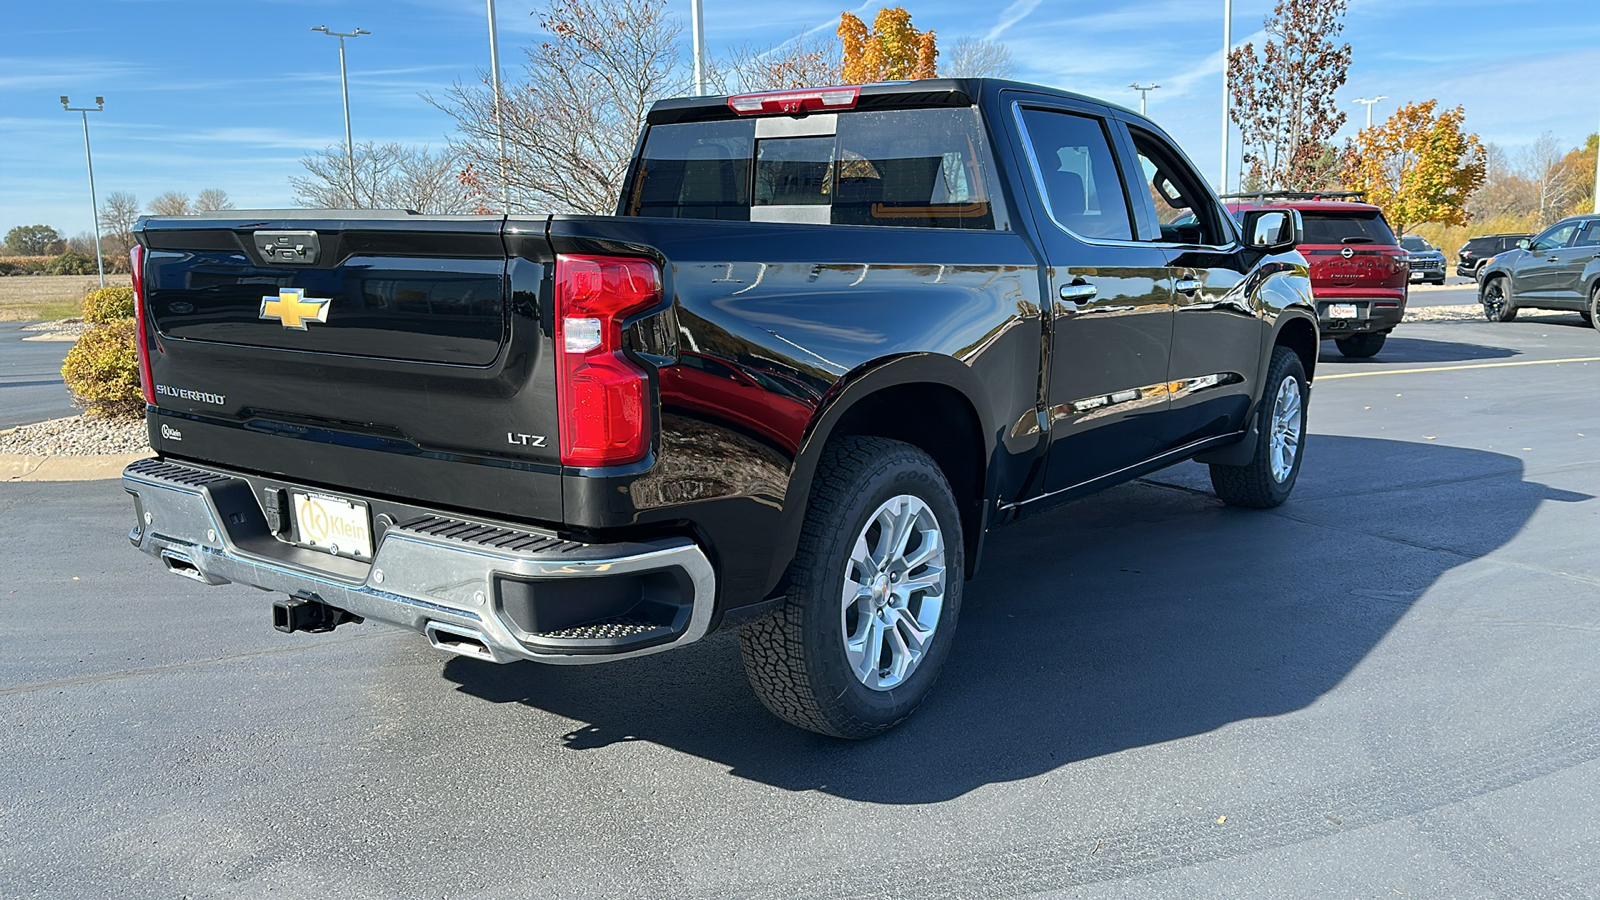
[[854, 647], [1268, 479], [1496, 300], [1361, 346]]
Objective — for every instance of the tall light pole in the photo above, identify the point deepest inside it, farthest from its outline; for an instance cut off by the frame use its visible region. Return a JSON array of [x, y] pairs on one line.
[[499, 110], [1143, 89], [1227, 48], [344, 82], [1371, 103], [699, 48], [94, 203]]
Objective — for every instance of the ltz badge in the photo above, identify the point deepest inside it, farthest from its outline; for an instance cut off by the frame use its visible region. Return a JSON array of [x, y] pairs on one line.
[[294, 309]]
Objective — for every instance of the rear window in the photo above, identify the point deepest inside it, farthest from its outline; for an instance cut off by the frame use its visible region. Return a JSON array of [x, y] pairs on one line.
[[913, 167], [1484, 245], [1346, 228]]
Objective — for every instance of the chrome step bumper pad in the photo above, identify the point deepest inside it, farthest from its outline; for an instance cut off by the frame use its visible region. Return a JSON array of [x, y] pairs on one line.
[[432, 578]]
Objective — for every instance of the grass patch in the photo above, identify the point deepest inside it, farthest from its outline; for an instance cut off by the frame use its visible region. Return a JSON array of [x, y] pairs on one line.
[[28, 298]]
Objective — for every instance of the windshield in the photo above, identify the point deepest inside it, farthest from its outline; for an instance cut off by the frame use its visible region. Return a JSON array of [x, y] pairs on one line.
[[1415, 244], [1347, 228]]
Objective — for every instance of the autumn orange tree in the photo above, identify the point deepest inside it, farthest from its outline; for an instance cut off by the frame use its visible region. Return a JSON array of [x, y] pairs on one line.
[[891, 50], [1417, 166], [1283, 95]]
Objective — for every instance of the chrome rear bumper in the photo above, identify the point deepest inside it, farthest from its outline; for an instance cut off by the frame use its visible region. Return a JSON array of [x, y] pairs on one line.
[[439, 575]]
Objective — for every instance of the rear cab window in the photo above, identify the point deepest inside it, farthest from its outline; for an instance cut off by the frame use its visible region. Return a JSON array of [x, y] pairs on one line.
[[904, 167], [1324, 228]]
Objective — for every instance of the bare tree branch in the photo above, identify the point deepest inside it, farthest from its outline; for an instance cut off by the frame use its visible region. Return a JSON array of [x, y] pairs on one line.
[[388, 176], [976, 58]]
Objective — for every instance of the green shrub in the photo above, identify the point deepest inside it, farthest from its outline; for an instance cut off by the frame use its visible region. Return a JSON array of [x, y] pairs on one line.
[[102, 370], [108, 305], [72, 263]]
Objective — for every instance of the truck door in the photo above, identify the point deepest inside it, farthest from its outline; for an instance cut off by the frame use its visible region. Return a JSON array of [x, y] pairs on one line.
[[1217, 332], [1109, 297]]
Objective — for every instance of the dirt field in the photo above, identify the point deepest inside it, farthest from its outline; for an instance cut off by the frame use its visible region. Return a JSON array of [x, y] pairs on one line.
[[25, 298]]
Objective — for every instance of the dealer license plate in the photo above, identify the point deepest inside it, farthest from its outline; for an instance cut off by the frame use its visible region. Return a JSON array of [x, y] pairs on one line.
[[1342, 311], [333, 524]]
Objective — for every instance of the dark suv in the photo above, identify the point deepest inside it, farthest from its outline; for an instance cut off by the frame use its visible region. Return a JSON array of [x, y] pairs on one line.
[[1479, 250], [1358, 270]]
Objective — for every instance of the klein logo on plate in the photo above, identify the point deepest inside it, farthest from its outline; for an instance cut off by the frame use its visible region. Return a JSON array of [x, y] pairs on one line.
[[294, 309], [338, 526]]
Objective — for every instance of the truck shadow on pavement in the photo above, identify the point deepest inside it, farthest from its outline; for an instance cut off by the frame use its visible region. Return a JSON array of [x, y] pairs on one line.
[[1418, 350], [1147, 613]]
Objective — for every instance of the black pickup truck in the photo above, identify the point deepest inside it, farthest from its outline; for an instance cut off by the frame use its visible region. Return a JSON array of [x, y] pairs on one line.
[[830, 339]]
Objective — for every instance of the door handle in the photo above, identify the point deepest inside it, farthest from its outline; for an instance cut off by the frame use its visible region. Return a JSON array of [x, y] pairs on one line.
[[1079, 292], [1187, 286], [1552, 259]]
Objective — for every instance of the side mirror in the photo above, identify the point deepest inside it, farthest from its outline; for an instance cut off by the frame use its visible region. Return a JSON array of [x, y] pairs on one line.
[[1273, 230], [1522, 244]]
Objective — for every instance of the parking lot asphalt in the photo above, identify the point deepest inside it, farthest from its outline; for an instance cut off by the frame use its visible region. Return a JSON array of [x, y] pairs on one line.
[[31, 389], [1386, 687]]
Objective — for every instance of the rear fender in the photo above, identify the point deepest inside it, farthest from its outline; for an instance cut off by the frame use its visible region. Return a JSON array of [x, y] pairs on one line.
[[850, 390]]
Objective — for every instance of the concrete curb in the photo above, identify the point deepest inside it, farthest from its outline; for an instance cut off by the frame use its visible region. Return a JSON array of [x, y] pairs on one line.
[[14, 467]]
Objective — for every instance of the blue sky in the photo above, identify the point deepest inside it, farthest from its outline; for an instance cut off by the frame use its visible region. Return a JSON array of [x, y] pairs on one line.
[[228, 94]]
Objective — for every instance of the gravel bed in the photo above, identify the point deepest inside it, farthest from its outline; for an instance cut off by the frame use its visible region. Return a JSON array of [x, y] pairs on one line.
[[1471, 312], [76, 436], [73, 328]]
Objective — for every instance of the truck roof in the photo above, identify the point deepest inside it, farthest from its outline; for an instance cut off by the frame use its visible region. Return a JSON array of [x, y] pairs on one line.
[[880, 95]]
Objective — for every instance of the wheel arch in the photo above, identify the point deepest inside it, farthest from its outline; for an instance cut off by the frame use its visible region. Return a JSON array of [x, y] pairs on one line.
[[926, 400], [1299, 333]]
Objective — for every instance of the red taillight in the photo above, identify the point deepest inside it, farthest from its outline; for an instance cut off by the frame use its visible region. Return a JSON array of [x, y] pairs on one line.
[[791, 102], [140, 322], [603, 415]]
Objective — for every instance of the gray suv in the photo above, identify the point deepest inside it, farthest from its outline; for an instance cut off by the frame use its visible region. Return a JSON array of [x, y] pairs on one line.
[[1426, 260], [1557, 269]]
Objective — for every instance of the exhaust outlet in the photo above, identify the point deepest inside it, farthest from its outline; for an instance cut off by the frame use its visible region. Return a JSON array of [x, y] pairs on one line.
[[460, 641], [178, 564]]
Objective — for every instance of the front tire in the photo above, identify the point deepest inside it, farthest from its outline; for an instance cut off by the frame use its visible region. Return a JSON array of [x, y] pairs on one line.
[[1268, 479], [1592, 314], [1496, 299], [874, 594], [1361, 346]]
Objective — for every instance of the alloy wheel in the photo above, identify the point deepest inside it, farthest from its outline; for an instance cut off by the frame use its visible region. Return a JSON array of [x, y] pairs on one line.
[[1285, 437], [893, 592]]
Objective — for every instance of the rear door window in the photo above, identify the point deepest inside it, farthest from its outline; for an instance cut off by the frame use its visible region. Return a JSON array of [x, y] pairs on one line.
[[1346, 228], [1077, 174], [1589, 236]]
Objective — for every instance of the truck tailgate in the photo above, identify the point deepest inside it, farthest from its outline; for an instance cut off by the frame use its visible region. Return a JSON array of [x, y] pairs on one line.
[[390, 354]]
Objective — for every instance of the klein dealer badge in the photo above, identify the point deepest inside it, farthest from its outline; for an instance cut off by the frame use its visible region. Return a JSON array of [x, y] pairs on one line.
[[294, 309]]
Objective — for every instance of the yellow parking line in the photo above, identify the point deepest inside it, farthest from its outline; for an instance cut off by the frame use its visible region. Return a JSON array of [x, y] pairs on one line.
[[1500, 365]]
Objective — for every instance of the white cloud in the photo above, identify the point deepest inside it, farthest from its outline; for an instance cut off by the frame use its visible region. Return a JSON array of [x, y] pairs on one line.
[[1011, 15]]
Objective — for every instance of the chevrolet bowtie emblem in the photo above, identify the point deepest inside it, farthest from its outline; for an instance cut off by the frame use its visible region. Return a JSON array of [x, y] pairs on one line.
[[293, 309]]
